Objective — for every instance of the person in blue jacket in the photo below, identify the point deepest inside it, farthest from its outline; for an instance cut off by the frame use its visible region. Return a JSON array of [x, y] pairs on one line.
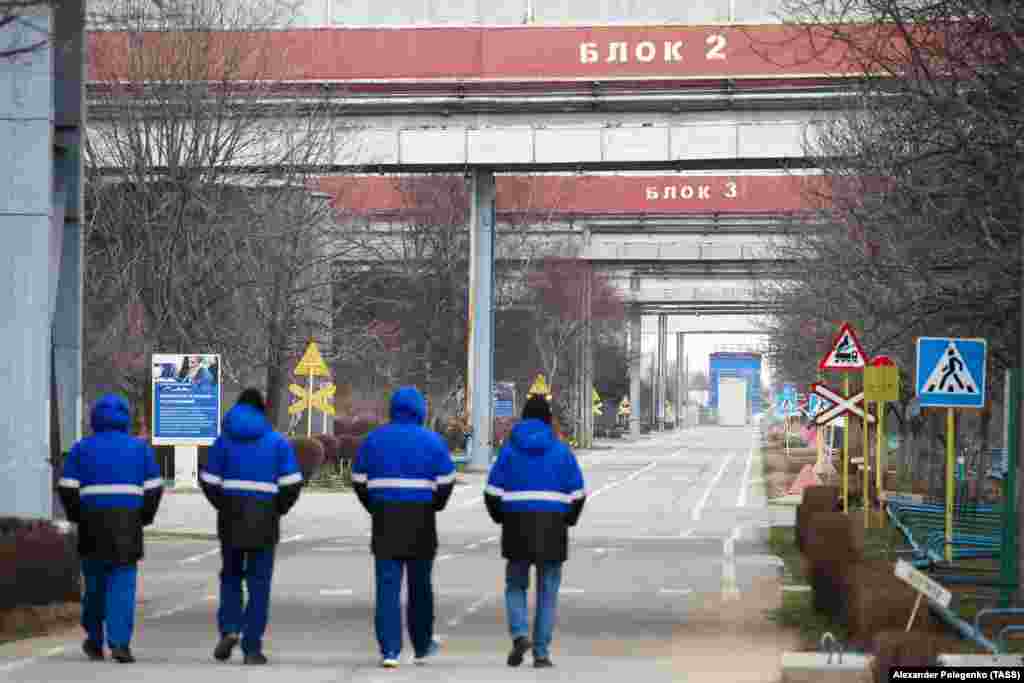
[[403, 476], [535, 491], [253, 479], [111, 488]]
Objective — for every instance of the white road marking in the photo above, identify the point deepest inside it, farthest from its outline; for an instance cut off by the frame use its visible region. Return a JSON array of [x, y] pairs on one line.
[[472, 609], [447, 556], [181, 608], [699, 508], [675, 591], [730, 589], [20, 663], [335, 549], [745, 482], [470, 503], [292, 539], [490, 539], [620, 482], [472, 546], [570, 590], [687, 533], [201, 556], [327, 592]]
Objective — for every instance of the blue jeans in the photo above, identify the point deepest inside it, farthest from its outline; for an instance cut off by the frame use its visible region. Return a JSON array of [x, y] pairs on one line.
[[517, 582], [109, 600], [256, 567], [419, 610]]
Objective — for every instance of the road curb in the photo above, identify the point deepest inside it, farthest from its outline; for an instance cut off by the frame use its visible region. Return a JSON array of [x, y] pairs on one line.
[[194, 534]]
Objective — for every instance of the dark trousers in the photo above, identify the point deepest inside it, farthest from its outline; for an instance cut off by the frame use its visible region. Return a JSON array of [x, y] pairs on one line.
[[419, 611], [109, 601], [255, 567]]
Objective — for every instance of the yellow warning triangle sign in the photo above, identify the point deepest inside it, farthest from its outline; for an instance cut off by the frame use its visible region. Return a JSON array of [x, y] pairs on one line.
[[312, 363], [539, 387]]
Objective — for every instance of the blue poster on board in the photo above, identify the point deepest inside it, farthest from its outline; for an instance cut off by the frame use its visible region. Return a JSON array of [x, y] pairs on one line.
[[186, 399]]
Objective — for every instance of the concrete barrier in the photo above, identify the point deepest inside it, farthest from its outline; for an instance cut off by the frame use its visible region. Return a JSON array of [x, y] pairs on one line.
[[815, 667]]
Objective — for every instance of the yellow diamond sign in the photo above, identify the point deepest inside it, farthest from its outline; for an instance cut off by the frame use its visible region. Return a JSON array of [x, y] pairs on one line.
[[312, 363]]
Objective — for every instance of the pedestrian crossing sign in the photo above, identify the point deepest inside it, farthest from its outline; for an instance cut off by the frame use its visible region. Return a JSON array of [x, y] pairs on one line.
[[846, 354], [951, 372]]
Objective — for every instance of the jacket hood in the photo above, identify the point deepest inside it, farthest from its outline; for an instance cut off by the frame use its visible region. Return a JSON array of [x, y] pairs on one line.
[[245, 423], [532, 436], [110, 414], [408, 406]]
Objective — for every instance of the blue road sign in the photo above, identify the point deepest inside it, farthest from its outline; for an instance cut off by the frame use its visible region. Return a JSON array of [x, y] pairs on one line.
[[951, 372]]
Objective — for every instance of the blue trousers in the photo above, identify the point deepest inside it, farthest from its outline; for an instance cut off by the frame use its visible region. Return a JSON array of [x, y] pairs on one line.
[[419, 610], [256, 568], [517, 582], [109, 601]]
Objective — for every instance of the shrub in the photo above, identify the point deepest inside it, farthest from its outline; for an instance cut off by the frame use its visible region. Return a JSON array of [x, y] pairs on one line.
[[310, 454], [38, 564]]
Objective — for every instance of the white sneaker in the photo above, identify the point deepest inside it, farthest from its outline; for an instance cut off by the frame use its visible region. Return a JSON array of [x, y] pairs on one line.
[[389, 663]]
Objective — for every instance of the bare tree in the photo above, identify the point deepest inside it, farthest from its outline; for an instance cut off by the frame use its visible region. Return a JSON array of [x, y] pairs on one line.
[[202, 219]]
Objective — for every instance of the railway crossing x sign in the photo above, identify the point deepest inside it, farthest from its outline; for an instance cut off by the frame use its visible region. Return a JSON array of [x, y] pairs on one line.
[[843, 405], [319, 399]]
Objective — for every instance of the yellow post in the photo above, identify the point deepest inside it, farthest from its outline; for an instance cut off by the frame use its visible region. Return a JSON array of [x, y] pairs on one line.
[[867, 474], [950, 465], [309, 408], [846, 451], [879, 445]]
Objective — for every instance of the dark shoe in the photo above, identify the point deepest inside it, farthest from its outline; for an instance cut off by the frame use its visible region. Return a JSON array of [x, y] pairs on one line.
[[122, 655], [93, 651], [255, 659], [542, 663], [520, 646], [225, 647]]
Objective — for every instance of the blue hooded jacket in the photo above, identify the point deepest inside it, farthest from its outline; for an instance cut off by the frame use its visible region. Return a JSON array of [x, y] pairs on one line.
[[535, 491], [252, 477], [111, 485], [403, 474]]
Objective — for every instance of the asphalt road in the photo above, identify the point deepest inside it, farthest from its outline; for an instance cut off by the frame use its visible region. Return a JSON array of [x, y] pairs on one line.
[[672, 521]]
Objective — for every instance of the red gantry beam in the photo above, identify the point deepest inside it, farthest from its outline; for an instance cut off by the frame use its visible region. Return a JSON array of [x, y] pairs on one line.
[[600, 195], [523, 54]]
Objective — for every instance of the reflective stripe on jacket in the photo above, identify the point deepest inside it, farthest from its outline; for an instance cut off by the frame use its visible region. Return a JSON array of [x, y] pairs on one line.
[[404, 475], [535, 491], [252, 477], [111, 486]]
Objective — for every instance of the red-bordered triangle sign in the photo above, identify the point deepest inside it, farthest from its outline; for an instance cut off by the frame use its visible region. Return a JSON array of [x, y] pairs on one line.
[[846, 355]]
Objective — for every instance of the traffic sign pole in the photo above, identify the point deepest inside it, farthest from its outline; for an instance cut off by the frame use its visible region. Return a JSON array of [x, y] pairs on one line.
[[867, 476], [309, 410], [879, 444], [846, 451], [950, 464]]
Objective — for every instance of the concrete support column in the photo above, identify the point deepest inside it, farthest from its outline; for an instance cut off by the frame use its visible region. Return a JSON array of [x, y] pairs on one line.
[[480, 389], [29, 262], [680, 380], [635, 368], [662, 370]]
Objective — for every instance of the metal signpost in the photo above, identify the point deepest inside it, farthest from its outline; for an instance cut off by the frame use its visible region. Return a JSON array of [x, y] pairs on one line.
[[846, 355], [312, 364], [881, 384], [186, 408], [950, 374]]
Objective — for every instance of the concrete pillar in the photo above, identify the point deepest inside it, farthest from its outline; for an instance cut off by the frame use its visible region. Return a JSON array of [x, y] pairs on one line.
[[481, 328], [660, 376], [29, 262], [635, 368], [680, 380]]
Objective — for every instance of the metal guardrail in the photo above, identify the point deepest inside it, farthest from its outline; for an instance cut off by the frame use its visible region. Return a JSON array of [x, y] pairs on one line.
[[682, 251]]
